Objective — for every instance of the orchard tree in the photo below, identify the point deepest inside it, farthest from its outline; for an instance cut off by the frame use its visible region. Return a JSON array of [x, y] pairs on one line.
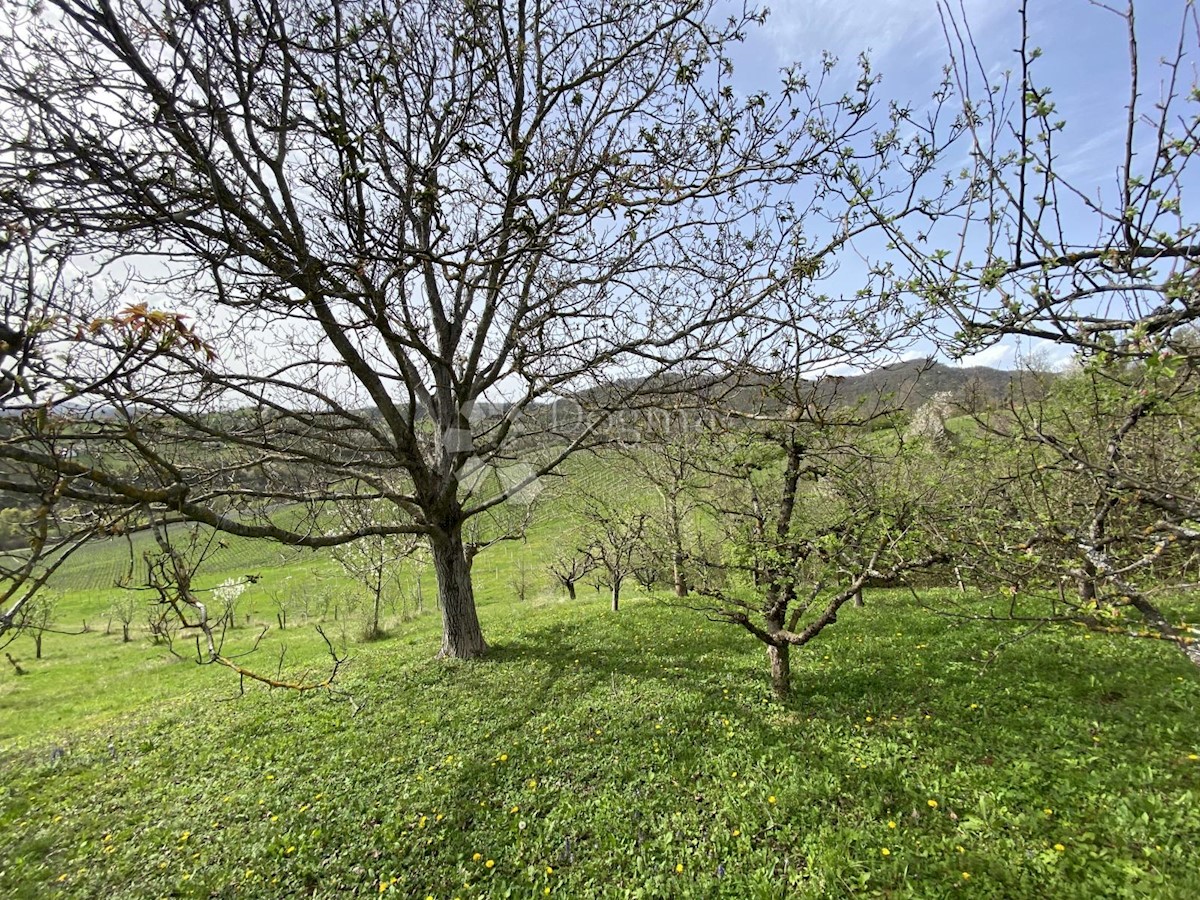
[[664, 451], [569, 567], [1091, 515], [36, 617], [813, 504], [372, 562], [411, 230], [1048, 252], [615, 535]]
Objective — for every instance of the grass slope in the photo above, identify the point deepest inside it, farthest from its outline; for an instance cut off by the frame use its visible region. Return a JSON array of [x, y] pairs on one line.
[[634, 754]]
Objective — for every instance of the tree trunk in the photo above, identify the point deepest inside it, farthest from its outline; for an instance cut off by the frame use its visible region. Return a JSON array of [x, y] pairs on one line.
[[781, 670], [571, 589], [858, 598], [616, 594], [462, 637], [681, 585], [37, 643]]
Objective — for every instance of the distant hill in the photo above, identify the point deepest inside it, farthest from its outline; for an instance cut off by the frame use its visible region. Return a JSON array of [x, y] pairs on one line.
[[912, 383]]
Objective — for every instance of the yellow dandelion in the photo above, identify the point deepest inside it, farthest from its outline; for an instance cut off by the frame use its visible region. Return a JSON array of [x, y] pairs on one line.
[[1048, 811], [678, 867], [1060, 848], [771, 799], [966, 876], [737, 832], [490, 863], [933, 804], [1193, 756], [477, 857], [503, 757], [549, 870], [884, 851], [891, 824]]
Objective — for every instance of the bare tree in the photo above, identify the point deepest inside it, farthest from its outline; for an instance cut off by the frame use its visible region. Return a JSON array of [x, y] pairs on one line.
[[372, 561], [413, 229], [615, 536], [665, 452], [569, 567], [36, 617]]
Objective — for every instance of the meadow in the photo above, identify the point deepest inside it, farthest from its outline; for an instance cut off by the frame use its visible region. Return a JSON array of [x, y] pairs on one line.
[[592, 753]]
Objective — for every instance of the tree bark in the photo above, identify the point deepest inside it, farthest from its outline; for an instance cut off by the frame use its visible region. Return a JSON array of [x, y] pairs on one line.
[[616, 594], [681, 585], [781, 670], [462, 637], [571, 589]]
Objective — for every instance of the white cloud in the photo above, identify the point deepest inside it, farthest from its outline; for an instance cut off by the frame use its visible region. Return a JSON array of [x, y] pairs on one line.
[[801, 29], [997, 356]]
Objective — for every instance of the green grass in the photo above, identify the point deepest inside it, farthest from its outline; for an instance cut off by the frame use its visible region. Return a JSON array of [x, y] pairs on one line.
[[595, 754]]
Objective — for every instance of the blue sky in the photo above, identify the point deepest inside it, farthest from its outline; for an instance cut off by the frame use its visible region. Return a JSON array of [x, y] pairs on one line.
[[1085, 60]]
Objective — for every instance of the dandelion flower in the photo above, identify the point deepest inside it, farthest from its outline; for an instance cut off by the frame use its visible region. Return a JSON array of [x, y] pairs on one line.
[[771, 799], [490, 863], [678, 867], [891, 824], [477, 857], [1060, 848], [933, 804], [884, 851], [966, 876]]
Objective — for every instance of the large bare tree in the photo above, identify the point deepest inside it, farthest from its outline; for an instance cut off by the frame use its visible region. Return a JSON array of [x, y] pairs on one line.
[[409, 230]]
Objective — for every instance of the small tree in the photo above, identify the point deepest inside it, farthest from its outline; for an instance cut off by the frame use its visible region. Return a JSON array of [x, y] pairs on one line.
[[226, 596], [569, 567], [372, 562], [124, 610], [615, 538], [36, 616], [812, 507], [520, 582], [665, 453]]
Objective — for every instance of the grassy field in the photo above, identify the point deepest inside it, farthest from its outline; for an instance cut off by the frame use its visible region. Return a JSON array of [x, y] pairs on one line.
[[630, 754]]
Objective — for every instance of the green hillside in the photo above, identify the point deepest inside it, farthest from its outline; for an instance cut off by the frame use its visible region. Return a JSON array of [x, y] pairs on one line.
[[601, 754]]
